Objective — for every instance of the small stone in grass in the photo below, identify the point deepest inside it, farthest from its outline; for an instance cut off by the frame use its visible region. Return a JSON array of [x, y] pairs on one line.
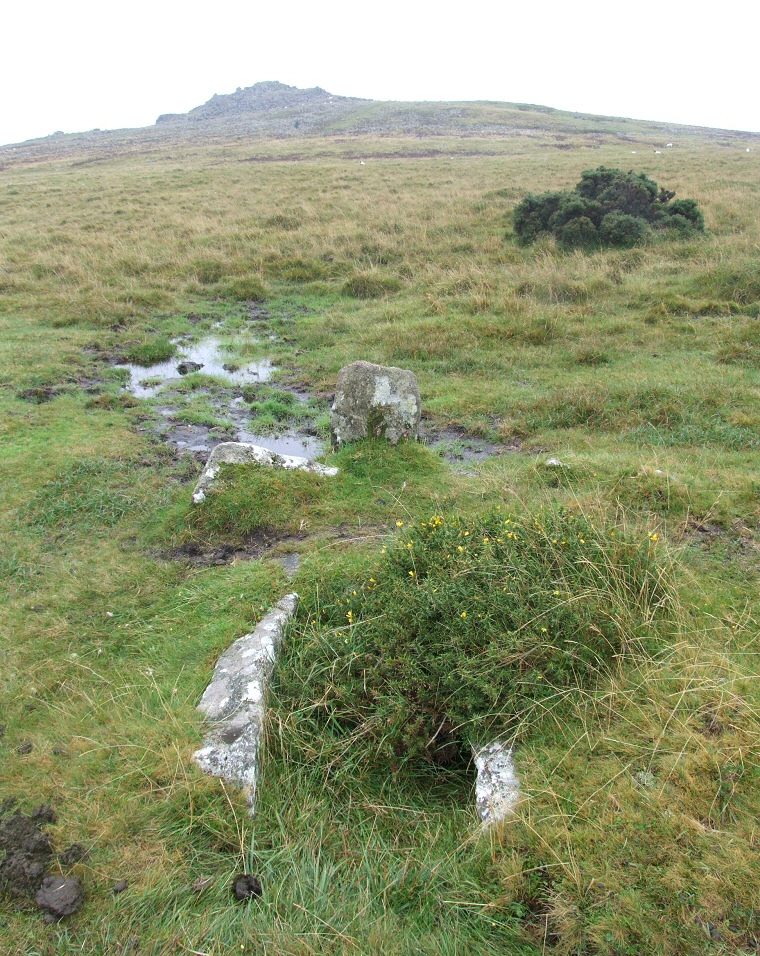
[[245, 886], [25, 748], [119, 887], [187, 368]]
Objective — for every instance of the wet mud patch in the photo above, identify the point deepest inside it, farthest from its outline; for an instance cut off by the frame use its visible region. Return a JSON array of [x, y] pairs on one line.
[[39, 395], [261, 315], [735, 541], [253, 546], [230, 417], [703, 531], [27, 856], [197, 440], [459, 447]]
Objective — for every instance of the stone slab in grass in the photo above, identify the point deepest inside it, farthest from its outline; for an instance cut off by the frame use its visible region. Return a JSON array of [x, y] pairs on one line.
[[234, 705], [241, 453], [497, 788]]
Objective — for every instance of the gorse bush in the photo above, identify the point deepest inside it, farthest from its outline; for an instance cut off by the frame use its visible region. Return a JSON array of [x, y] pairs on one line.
[[608, 207], [464, 631]]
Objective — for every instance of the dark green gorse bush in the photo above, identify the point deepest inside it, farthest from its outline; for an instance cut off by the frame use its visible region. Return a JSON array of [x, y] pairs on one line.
[[464, 632], [608, 207]]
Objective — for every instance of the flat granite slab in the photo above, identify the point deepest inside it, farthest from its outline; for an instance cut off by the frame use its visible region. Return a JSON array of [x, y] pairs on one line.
[[234, 703], [241, 453]]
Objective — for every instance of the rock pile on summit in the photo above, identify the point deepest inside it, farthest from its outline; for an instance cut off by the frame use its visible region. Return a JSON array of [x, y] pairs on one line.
[[270, 103]]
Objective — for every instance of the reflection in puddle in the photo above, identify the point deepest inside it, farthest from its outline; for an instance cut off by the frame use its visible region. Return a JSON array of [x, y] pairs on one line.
[[213, 359], [291, 443], [202, 439], [457, 447]]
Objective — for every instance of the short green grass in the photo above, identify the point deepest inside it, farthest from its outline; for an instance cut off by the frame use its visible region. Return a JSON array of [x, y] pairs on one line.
[[637, 369]]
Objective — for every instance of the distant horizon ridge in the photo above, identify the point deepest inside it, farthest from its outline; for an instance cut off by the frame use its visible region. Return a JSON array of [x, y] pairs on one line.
[[270, 108]]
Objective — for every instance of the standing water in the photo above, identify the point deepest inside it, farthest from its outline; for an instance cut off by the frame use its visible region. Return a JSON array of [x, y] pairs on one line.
[[208, 358]]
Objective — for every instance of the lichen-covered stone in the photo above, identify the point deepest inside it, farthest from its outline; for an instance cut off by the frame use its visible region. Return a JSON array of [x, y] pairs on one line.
[[241, 453], [496, 788], [233, 702], [375, 401]]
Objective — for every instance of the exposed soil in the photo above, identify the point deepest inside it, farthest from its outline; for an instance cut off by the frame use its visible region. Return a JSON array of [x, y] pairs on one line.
[[60, 896], [72, 855], [39, 394], [253, 547], [704, 530], [28, 851]]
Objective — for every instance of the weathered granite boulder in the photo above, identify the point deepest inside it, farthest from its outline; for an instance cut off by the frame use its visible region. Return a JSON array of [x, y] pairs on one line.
[[375, 401]]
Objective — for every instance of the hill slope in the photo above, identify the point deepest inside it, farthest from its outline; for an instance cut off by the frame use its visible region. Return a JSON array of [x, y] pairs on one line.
[[270, 110]]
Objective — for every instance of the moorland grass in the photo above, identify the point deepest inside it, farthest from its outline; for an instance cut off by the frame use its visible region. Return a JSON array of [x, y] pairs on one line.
[[636, 368]]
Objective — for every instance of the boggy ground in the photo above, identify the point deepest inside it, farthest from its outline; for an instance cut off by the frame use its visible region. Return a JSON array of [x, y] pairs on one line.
[[637, 370]]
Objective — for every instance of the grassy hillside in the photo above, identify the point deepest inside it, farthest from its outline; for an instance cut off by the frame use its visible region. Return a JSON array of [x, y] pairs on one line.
[[638, 369]]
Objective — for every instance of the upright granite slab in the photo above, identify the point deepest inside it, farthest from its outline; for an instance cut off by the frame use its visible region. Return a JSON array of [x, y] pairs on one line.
[[497, 788], [241, 453], [234, 701], [375, 401]]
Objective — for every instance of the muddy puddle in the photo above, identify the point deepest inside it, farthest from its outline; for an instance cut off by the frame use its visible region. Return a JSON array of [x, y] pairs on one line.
[[226, 406], [207, 356], [459, 448], [260, 544]]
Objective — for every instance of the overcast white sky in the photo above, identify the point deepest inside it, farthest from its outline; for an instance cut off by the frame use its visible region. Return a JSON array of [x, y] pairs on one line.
[[74, 65]]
